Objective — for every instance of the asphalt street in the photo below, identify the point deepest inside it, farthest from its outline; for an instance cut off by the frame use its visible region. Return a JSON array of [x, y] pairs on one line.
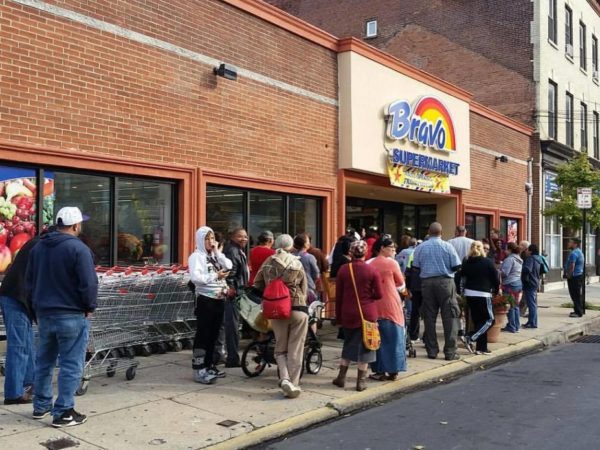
[[549, 400]]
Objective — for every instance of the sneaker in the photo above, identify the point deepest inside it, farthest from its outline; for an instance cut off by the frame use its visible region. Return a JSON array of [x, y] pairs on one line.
[[487, 352], [216, 372], [415, 341], [454, 357], [289, 390], [574, 315], [69, 418], [37, 415], [204, 376]]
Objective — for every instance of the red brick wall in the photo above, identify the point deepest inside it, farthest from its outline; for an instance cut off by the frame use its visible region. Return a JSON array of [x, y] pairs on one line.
[[495, 184], [67, 85], [482, 46]]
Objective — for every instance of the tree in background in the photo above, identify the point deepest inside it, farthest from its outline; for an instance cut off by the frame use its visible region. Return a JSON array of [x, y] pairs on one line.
[[577, 173]]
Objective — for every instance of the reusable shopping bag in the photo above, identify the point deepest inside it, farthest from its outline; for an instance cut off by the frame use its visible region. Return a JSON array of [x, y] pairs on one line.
[[370, 330]]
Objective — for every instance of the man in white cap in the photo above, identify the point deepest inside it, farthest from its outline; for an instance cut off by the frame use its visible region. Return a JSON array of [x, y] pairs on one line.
[[63, 286]]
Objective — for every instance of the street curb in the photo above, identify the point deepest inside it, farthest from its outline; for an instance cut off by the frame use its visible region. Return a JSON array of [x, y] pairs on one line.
[[278, 429], [377, 394]]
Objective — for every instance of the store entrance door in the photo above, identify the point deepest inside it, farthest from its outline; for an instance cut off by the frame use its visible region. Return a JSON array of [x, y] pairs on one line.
[[395, 219]]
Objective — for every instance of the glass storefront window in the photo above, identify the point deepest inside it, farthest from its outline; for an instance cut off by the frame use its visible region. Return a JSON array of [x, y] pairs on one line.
[[590, 253], [18, 217], [427, 215], [552, 240], [91, 194], [144, 219], [304, 218], [141, 232], [509, 229], [478, 226], [256, 211], [266, 213]]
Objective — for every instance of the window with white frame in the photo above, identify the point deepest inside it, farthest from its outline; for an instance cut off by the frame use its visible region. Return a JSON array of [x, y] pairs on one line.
[[596, 133], [552, 105], [582, 46], [552, 228], [371, 28], [590, 251], [568, 31], [552, 20], [594, 57], [569, 119], [583, 130]]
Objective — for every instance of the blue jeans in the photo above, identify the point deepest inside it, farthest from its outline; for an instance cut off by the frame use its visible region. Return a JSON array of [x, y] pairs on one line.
[[65, 336], [20, 355], [513, 320], [530, 295]]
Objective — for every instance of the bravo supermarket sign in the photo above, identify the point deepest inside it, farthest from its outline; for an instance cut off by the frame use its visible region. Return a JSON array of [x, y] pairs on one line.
[[427, 124]]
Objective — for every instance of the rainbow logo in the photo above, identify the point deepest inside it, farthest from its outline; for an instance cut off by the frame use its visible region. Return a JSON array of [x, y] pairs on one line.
[[428, 124]]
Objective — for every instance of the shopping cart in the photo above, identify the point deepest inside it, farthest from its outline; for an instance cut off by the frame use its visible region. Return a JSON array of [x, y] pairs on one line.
[[136, 307]]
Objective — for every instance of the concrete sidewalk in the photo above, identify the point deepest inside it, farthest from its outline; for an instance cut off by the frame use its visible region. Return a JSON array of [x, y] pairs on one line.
[[162, 407]]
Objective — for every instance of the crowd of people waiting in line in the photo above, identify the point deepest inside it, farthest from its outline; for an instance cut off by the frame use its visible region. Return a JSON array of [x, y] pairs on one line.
[[53, 281]]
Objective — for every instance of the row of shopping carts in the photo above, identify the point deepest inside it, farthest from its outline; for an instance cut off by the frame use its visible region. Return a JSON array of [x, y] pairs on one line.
[[139, 311]]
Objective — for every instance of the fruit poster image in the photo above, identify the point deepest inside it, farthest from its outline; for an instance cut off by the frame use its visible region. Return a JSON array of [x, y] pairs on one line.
[[18, 215]]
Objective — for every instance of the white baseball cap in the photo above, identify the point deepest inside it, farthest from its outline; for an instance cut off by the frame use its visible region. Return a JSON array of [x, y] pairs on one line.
[[70, 215]]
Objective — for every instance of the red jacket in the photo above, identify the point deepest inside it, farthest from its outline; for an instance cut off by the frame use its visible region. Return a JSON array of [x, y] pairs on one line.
[[368, 284]]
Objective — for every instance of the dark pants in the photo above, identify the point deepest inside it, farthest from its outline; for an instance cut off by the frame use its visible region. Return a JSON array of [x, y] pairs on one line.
[[575, 285], [482, 315], [209, 315], [415, 315], [232, 332], [439, 293]]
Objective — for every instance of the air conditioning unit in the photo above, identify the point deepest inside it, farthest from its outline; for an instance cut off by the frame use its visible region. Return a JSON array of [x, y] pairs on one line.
[[569, 50]]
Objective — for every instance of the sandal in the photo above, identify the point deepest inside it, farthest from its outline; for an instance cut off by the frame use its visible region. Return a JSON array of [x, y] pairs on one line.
[[378, 376]]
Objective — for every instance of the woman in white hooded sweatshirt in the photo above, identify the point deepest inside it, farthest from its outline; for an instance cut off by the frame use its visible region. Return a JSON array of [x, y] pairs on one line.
[[208, 270]]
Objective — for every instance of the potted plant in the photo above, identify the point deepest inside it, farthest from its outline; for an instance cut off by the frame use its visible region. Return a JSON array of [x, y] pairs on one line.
[[501, 303]]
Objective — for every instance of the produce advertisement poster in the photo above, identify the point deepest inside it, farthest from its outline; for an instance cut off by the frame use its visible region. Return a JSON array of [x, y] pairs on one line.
[[18, 215], [418, 179]]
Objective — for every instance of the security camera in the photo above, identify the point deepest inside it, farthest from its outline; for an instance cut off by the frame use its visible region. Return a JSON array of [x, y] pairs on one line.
[[529, 187], [226, 71]]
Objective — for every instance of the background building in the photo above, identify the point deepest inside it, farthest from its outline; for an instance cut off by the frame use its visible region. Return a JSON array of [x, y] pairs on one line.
[[536, 62]]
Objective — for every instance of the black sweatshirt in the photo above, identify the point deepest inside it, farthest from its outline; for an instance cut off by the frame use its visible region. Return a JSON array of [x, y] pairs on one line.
[[480, 274]]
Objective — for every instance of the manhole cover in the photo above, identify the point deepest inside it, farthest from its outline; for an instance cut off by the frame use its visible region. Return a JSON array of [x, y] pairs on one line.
[[59, 444], [590, 339]]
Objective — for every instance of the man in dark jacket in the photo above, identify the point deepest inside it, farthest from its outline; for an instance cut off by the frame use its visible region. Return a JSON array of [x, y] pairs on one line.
[[18, 317], [63, 286], [237, 280], [530, 278]]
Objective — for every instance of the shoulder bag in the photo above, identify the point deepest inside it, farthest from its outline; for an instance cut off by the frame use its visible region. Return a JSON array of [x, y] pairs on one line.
[[370, 330]]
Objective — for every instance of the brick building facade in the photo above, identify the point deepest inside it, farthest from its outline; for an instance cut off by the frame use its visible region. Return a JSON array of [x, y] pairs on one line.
[[114, 107]]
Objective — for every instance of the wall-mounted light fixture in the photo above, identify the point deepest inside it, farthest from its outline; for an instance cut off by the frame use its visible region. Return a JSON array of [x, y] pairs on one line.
[[226, 71], [502, 159]]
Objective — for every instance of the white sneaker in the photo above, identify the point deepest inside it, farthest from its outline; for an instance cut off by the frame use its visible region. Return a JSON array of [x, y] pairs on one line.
[[289, 390], [204, 376]]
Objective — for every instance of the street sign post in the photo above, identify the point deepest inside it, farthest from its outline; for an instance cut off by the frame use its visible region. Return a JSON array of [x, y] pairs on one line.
[[584, 202]]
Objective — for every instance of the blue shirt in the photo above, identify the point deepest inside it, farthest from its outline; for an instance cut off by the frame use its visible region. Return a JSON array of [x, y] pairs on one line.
[[576, 256], [403, 256], [436, 258]]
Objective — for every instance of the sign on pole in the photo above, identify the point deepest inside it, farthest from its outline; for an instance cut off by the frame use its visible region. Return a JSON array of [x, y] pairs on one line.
[[584, 198]]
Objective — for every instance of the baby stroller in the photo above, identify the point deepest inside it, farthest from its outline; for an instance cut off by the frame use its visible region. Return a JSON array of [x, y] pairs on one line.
[[260, 354]]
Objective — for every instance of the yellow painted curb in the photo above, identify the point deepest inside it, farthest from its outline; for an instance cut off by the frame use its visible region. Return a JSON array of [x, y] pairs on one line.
[[278, 429]]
